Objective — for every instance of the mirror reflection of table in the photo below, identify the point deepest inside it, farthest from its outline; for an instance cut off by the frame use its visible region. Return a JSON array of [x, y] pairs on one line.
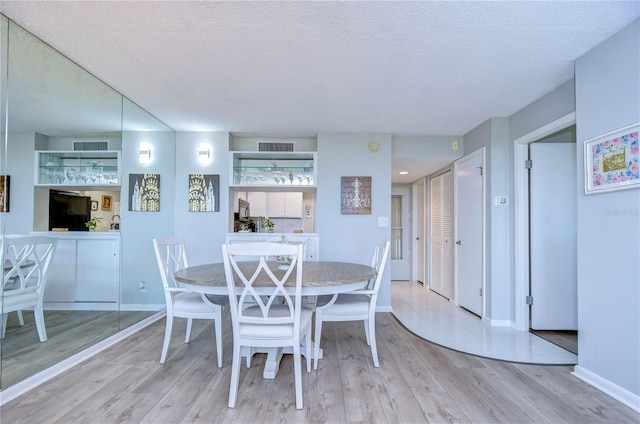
[[318, 278]]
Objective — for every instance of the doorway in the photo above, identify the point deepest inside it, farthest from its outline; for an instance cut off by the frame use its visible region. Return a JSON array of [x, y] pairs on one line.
[[522, 216]]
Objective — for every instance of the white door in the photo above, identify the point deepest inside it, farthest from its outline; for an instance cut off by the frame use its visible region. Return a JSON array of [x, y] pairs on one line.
[[419, 233], [469, 206], [552, 235], [441, 234]]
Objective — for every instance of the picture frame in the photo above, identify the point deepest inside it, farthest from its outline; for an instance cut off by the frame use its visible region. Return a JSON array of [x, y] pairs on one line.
[[107, 202], [611, 161], [5, 192], [144, 190], [355, 196], [94, 205], [204, 193]]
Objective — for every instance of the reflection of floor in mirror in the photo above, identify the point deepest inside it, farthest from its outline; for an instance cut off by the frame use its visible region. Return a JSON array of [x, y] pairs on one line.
[[68, 332]]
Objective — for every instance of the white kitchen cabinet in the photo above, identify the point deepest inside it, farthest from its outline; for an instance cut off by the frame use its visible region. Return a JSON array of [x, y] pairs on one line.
[[98, 271], [61, 276], [275, 204], [84, 272], [258, 202]]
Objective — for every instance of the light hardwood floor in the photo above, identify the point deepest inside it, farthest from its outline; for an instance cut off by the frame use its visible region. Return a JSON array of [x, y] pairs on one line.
[[417, 382]]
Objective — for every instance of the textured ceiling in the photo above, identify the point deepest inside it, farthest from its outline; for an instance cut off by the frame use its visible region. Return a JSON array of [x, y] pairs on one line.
[[298, 68]]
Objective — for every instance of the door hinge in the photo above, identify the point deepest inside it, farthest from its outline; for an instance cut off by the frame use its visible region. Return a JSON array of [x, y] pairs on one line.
[[528, 164], [529, 300], [480, 292]]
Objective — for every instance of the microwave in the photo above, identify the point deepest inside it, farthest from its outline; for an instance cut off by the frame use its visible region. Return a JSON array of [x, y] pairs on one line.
[[243, 210]]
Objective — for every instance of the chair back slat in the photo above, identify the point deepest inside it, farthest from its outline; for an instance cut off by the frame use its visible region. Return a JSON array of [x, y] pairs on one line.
[[26, 261], [379, 262], [171, 256], [275, 292]]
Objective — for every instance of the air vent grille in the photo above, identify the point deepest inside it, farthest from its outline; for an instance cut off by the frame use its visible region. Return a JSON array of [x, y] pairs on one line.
[[275, 147], [91, 145]]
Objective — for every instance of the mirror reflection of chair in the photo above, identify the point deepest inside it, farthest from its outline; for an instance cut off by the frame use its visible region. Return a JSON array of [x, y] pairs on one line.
[[182, 303], [25, 263], [358, 305], [277, 318]]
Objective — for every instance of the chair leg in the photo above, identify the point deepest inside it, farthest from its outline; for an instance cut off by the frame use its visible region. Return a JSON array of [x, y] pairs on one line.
[[20, 318], [316, 340], [4, 324], [187, 336], [307, 346], [372, 337], [297, 372], [366, 331], [39, 317], [235, 375], [167, 338], [218, 326]]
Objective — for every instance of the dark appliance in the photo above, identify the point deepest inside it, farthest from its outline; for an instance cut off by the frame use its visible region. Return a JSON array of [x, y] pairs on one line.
[[243, 211], [68, 211]]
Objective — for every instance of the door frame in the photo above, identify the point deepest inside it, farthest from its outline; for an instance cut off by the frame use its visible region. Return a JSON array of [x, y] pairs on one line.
[[521, 214], [415, 236], [480, 152]]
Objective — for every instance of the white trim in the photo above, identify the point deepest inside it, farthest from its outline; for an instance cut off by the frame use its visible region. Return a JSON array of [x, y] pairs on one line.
[[480, 152], [501, 322], [521, 215], [102, 306], [12, 392], [620, 394], [384, 308]]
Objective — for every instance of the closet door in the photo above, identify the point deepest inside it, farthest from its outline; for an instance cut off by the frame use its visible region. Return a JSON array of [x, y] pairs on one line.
[[441, 231]]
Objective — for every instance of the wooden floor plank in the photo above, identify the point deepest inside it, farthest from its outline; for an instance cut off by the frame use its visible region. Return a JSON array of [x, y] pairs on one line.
[[417, 382]]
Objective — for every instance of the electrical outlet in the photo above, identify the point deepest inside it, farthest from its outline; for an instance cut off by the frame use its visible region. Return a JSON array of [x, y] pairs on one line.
[[142, 286], [454, 145]]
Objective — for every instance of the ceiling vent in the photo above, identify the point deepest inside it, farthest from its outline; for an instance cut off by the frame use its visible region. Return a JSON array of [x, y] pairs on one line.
[[91, 145], [275, 147]]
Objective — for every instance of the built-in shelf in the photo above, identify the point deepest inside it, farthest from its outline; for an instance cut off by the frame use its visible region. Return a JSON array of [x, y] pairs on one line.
[[273, 169], [77, 168]]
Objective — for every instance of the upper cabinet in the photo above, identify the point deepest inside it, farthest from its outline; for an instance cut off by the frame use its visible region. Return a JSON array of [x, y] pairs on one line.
[[77, 168], [281, 170]]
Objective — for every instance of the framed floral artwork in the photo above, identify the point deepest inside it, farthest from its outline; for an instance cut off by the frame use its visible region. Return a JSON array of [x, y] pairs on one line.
[[611, 161], [356, 195]]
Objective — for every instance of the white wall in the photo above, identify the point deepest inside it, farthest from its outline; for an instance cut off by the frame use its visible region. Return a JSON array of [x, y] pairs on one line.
[[608, 97], [204, 232], [351, 238], [20, 165], [138, 261]]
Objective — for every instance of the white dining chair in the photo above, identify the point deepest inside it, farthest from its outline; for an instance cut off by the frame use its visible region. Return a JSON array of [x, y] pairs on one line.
[[25, 263], [181, 302], [276, 318], [358, 305]]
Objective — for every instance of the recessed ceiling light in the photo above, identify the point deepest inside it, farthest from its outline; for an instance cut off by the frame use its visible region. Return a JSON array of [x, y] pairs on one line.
[[403, 172]]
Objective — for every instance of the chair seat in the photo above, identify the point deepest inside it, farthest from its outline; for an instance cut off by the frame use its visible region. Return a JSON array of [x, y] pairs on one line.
[[19, 299], [192, 303], [256, 331], [349, 304]]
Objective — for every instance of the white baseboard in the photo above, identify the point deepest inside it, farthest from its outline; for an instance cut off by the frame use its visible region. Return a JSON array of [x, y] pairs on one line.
[[101, 306], [632, 400], [501, 323], [384, 308], [34, 381]]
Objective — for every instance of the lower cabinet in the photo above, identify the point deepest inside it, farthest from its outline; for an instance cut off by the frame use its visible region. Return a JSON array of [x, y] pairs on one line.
[[85, 268], [98, 271]]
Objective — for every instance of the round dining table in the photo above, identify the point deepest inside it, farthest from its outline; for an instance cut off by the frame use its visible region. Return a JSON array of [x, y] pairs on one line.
[[318, 278]]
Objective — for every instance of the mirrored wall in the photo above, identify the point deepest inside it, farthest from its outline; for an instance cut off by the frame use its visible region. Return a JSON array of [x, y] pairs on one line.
[[53, 110]]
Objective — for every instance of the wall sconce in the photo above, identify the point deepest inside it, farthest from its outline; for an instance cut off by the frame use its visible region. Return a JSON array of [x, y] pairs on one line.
[[204, 153], [144, 153]]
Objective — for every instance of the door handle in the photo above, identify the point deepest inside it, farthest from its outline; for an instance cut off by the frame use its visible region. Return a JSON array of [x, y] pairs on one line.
[[459, 243], [417, 238]]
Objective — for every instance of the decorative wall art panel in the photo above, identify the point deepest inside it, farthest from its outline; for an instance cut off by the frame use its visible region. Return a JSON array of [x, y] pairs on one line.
[[612, 161], [356, 196], [4, 193], [145, 192], [204, 193]]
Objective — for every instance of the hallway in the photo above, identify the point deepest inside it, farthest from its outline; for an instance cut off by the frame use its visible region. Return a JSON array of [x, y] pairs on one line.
[[434, 318]]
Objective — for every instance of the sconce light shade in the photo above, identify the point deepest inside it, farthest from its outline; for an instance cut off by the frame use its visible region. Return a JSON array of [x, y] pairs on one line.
[[204, 153], [144, 152]]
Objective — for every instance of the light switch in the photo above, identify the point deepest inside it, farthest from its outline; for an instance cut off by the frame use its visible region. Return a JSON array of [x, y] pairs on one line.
[[383, 221]]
